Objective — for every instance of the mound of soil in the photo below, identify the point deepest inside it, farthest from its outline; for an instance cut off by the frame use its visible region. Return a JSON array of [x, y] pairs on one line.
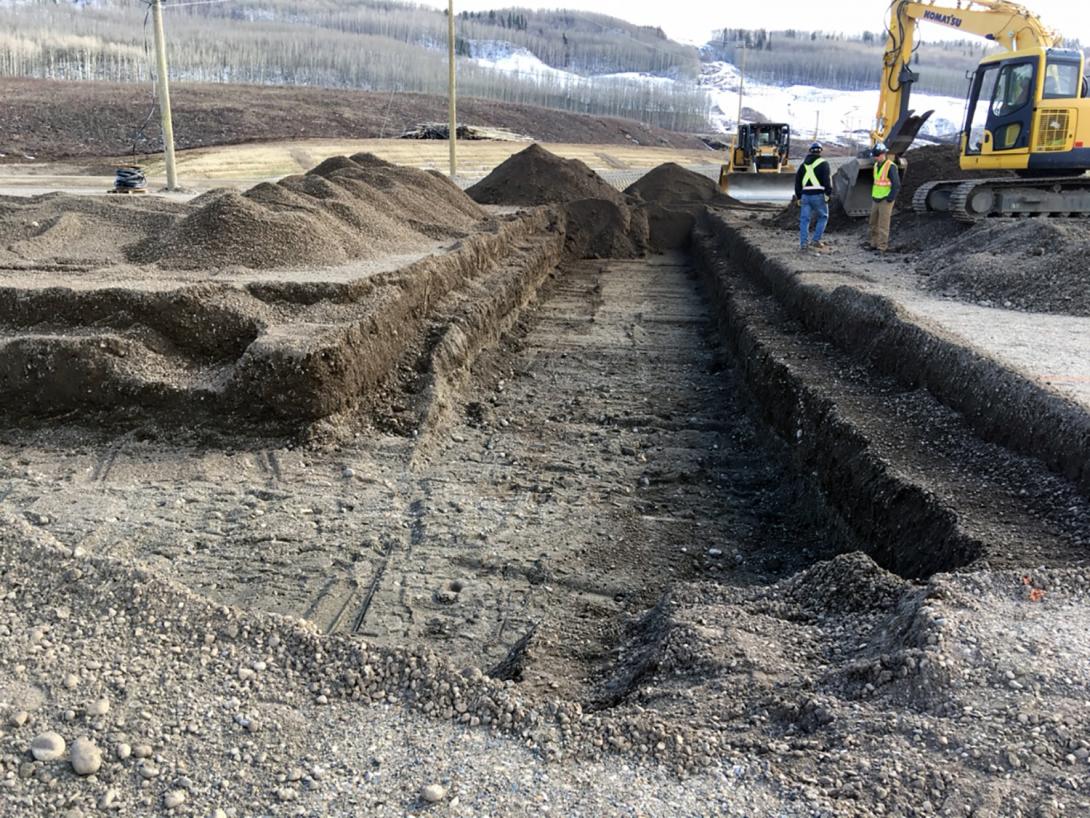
[[848, 583], [597, 228], [536, 177], [60, 227], [345, 208], [671, 185], [1037, 265]]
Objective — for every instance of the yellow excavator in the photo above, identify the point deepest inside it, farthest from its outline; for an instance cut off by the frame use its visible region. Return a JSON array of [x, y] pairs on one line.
[[1028, 111], [758, 164]]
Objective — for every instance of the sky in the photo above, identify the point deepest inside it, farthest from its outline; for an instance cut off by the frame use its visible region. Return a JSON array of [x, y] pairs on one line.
[[690, 20]]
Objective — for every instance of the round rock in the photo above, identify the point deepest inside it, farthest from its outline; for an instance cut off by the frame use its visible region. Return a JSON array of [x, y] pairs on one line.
[[47, 747], [86, 758], [433, 793], [174, 798]]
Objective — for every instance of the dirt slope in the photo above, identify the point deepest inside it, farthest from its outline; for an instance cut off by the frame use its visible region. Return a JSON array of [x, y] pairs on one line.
[[55, 120]]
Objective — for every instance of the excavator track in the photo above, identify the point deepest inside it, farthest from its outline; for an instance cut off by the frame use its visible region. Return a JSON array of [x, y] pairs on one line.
[[971, 201]]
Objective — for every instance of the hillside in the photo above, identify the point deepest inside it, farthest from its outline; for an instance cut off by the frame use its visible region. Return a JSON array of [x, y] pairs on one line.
[[840, 62], [361, 44], [54, 120], [582, 42]]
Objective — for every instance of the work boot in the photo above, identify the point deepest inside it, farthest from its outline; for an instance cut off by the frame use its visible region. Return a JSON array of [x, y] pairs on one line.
[[821, 246]]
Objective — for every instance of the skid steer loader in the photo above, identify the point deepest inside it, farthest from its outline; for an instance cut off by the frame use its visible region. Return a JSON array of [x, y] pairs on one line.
[[758, 167]]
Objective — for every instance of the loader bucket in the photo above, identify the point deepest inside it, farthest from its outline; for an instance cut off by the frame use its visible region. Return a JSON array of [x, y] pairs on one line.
[[758, 187]]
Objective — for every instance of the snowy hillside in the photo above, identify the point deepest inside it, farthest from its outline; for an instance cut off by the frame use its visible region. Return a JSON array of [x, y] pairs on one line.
[[838, 116], [520, 62], [844, 117]]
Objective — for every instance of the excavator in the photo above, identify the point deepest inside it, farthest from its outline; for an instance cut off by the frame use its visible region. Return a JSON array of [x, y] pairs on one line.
[[758, 166], [1028, 111]]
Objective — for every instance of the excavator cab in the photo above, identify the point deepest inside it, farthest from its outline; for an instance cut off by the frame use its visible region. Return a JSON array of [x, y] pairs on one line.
[[758, 165]]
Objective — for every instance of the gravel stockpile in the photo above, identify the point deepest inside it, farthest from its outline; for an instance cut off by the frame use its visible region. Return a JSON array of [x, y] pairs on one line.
[[62, 228], [534, 176], [345, 208], [1039, 265]]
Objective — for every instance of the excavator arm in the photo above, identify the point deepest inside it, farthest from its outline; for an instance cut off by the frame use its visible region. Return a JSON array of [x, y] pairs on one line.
[[1008, 24]]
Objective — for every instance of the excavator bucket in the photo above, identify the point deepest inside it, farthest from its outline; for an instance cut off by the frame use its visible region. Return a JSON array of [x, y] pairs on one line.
[[854, 179], [749, 186], [852, 184]]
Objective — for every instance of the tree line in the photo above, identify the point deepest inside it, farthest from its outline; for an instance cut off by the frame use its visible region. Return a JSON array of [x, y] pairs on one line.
[[241, 44], [836, 60]]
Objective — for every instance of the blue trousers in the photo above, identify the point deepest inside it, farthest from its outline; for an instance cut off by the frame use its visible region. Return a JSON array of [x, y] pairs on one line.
[[812, 204]]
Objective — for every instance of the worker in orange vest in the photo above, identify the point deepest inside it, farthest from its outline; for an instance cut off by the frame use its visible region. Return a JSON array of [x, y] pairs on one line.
[[887, 184]]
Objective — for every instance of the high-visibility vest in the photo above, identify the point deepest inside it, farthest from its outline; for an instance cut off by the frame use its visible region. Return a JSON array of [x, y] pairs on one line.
[[882, 184], [809, 176]]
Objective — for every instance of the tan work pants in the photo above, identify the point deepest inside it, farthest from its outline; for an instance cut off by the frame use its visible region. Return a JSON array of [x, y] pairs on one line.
[[880, 214]]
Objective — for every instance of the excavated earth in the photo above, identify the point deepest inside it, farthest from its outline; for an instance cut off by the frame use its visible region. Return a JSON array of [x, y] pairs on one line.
[[348, 495]]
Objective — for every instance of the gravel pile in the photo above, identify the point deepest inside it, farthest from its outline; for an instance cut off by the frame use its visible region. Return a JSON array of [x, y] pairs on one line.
[[1038, 265], [59, 228], [534, 176], [345, 208], [849, 583]]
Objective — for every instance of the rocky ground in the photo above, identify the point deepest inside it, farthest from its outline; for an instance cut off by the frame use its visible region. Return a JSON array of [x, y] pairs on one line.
[[552, 560]]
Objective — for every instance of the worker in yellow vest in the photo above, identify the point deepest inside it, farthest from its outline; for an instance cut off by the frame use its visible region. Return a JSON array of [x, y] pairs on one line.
[[887, 184], [813, 187]]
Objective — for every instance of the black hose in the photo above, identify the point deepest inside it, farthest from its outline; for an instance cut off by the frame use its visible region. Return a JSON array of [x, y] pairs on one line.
[[130, 177]]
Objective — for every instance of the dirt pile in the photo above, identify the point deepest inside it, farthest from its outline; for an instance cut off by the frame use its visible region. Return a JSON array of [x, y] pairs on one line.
[[1037, 265], [345, 208], [849, 583], [597, 228], [673, 196], [61, 228], [536, 177], [671, 185]]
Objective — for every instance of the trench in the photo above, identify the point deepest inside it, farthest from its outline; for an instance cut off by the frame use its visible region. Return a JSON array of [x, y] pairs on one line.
[[579, 442]]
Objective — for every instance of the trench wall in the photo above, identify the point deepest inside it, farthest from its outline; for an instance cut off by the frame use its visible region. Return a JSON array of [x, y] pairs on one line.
[[1001, 405]]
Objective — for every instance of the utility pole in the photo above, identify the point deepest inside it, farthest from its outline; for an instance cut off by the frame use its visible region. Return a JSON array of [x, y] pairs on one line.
[[741, 83], [453, 107], [164, 94], [817, 126]]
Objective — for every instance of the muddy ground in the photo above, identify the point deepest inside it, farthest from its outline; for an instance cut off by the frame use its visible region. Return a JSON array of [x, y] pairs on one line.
[[598, 536]]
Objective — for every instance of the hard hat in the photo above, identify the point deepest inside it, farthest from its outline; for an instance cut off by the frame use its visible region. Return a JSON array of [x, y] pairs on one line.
[[815, 147], [879, 149]]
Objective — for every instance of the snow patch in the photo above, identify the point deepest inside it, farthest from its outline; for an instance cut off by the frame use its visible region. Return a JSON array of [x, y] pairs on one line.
[[838, 116]]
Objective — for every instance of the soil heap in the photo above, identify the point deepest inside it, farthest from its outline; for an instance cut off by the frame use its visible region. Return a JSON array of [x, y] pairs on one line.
[[671, 185], [345, 208], [1031, 264], [673, 197], [534, 176], [62, 228]]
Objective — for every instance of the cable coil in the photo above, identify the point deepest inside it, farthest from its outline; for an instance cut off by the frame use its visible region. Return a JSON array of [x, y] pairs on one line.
[[130, 177]]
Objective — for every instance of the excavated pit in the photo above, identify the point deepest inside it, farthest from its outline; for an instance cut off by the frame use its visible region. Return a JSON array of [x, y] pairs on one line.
[[543, 481]]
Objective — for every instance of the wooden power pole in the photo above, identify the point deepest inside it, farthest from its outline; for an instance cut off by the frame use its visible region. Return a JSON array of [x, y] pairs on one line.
[[163, 88], [453, 138]]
